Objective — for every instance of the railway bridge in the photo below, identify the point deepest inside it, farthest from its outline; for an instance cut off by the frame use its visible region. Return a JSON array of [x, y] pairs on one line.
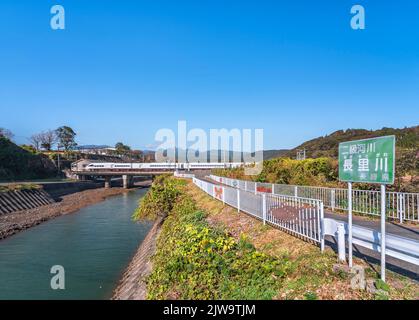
[[86, 170]]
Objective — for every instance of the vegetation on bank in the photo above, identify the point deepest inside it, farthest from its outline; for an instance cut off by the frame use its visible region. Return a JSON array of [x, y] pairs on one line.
[[326, 147], [207, 250], [321, 172], [197, 261], [17, 187]]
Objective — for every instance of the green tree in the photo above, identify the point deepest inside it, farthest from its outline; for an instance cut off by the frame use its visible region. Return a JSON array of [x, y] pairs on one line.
[[66, 137], [6, 133], [122, 149]]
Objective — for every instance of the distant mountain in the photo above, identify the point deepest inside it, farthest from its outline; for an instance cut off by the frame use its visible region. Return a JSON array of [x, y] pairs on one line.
[[270, 154], [327, 146], [231, 156]]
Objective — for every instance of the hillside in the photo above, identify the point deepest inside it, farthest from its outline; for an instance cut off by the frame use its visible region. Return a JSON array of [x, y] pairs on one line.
[[18, 164], [327, 146], [271, 154]]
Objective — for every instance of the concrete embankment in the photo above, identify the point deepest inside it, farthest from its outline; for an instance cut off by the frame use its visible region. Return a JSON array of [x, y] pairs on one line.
[[45, 194], [133, 285], [18, 200]]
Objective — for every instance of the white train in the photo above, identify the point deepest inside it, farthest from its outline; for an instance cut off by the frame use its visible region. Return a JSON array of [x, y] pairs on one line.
[[160, 166]]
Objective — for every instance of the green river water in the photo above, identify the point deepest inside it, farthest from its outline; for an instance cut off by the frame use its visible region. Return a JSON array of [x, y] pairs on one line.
[[94, 245]]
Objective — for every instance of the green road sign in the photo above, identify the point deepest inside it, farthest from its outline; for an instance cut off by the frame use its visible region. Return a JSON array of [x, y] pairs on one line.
[[368, 160]]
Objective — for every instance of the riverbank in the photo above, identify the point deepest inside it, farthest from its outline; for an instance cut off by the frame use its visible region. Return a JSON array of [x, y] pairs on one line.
[[206, 250], [15, 222], [133, 285]]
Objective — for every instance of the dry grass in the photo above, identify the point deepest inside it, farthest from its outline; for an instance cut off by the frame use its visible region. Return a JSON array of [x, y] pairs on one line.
[[311, 275]]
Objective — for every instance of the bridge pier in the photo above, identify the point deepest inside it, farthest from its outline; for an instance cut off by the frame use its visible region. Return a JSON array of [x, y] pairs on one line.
[[127, 181], [108, 182]]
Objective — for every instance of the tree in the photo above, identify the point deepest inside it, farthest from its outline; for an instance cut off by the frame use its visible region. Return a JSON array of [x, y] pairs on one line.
[[6, 133], [35, 140], [122, 149], [66, 137], [48, 139]]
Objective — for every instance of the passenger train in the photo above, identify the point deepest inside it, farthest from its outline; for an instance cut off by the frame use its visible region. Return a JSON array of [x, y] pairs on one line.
[[160, 166]]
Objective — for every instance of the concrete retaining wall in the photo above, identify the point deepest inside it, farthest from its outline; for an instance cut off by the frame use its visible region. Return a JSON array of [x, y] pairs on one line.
[[18, 200], [60, 189]]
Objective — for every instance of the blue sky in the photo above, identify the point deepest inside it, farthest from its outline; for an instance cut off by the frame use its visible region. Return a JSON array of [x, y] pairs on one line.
[[124, 69]]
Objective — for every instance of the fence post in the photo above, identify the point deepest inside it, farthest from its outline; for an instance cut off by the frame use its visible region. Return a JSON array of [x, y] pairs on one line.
[[256, 187], [341, 242], [401, 206], [321, 226], [332, 200], [224, 194], [245, 185], [295, 191], [273, 188], [238, 200], [264, 207]]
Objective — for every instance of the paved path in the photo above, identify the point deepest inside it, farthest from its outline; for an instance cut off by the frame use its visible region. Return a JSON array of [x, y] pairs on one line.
[[402, 230]]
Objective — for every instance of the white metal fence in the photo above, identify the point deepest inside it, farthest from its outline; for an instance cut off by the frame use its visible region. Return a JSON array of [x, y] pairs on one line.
[[400, 205], [299, 216], [304, 218]]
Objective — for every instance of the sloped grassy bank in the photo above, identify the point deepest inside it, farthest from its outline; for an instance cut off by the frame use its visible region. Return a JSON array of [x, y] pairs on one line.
[[206, 250], [196, 261]]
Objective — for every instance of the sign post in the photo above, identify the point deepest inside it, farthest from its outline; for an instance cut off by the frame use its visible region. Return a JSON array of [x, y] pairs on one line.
[[350, 223], [368, 161]]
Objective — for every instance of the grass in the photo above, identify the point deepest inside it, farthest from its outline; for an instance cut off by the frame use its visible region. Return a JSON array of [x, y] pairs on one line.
[[207, 250], [16, 187], [196, 261]]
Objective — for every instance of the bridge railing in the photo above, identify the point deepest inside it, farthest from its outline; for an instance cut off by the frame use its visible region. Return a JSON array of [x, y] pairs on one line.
[[401, 206]]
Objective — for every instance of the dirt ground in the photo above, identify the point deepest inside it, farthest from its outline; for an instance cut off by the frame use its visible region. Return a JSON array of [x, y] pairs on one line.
[[15, 222]]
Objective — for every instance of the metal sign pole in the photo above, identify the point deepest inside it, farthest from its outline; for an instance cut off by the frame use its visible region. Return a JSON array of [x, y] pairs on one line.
[[350, 223], [383, 232]]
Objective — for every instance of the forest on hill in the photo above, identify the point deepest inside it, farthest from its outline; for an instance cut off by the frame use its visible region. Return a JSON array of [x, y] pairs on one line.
[[17, 163], [327, 146], [321, 166]]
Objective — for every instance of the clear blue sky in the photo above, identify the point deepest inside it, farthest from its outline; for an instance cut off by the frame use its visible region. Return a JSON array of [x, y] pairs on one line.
[[123, 69]]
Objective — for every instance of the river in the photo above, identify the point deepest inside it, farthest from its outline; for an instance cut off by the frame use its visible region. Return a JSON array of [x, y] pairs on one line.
[[94, 246]]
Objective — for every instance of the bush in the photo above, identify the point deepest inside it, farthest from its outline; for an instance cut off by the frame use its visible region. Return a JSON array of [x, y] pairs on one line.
[[320, 171], [196, 261], [159, 200]]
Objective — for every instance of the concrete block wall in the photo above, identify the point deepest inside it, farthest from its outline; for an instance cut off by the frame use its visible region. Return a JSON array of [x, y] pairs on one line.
[[18, 200]]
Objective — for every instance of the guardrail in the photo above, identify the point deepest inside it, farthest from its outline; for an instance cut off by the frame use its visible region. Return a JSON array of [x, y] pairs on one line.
[[304, 218], [299, 216], [401, 206]]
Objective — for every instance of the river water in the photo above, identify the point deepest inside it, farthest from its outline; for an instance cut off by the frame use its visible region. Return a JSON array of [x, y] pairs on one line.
[[93, 245]]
